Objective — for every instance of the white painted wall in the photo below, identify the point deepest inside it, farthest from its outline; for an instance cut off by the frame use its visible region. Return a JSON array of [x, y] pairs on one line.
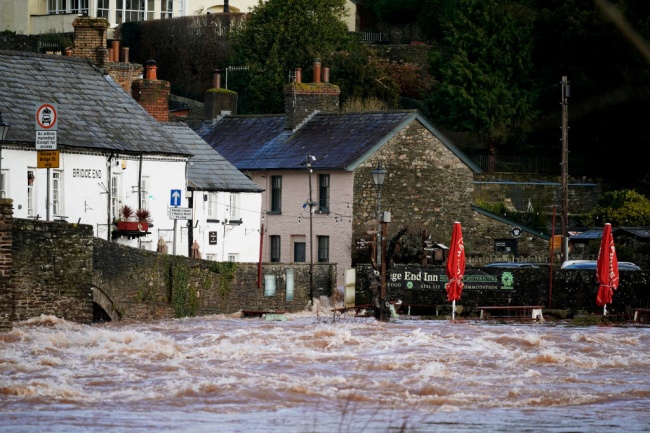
[[239, 240]]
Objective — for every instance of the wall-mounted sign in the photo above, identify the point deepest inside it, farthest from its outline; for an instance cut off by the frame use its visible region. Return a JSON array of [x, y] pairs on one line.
[[516, 231], [47, 159], [212, 238]]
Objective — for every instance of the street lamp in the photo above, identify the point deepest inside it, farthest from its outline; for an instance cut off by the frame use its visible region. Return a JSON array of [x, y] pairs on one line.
[[308, 161], [4, 128], [378, 177]]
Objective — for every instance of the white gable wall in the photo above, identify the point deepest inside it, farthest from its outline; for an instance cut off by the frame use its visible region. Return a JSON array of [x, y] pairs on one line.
[[239, 242]]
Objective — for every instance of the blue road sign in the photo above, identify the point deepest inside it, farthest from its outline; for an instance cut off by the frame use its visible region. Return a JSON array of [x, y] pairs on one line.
[[175, 199]]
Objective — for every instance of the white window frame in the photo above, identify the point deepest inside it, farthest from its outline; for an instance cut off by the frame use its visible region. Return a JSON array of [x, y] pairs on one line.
[[235, 200], [233, 257], [213, 205], [31, 193], [144, 192], [116, 194], [57, 193], [55, 7]]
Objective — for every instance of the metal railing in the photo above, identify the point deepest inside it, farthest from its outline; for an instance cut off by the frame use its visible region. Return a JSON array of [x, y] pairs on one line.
[[517, 164], [372, 38]]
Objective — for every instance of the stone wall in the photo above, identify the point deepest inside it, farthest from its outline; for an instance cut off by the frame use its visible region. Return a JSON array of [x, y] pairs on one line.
[[52, 270], [541, 190], [6, 265], [145, 285]]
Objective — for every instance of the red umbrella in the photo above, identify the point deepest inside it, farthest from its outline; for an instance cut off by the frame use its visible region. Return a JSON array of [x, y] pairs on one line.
[[606, 269], [455, 267]]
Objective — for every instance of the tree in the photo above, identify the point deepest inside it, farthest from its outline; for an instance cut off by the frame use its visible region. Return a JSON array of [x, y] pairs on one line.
[[280, 36], [483, 69], [622, 208]]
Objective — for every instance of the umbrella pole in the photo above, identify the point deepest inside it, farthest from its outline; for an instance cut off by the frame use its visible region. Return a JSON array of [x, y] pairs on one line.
[[453, 309]]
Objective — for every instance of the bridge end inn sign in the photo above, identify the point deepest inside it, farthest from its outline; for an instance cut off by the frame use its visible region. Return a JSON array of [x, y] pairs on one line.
[[427, 278]]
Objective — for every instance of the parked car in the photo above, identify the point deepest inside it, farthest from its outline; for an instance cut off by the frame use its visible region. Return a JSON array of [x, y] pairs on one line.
[[591, 264], [515, 265]]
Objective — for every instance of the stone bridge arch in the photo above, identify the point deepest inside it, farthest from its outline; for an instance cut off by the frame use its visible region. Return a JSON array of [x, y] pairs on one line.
[[103, 301]]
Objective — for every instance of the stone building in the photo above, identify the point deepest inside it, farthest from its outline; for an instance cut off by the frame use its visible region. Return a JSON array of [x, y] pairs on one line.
[[316, 158]]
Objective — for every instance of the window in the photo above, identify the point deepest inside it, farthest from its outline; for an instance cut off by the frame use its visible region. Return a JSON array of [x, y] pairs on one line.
[[134, 10], [233, 258], [3, 186], [234, 206], [275, 248], [66, 6], [144, 192], [299, 252], [323, 249], [57, 193], [116, 188], [323, 192], [166, 9], [212, 205], [276, 194], [102, 8], [30, 192]]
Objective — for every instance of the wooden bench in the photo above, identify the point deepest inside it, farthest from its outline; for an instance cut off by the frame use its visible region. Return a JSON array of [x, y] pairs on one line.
[[641, 314], [519, 312]]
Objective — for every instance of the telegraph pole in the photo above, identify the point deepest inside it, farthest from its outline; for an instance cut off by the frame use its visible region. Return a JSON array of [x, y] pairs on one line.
[[566, 92]]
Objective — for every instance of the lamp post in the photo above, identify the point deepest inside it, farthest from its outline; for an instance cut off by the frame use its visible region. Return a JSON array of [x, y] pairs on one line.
[[378, 177], [308, 162], [4, 128]]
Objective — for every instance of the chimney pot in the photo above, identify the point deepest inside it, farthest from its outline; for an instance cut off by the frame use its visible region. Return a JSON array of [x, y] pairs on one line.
[[298, 75], [116, 52], [326, 75], [151, 70], [216, 79], [125, 54], [316, 70]]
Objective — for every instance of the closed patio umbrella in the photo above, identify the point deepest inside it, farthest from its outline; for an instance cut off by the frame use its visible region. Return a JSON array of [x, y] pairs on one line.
[[196, 253], [606, 269], [162, 246], [455, 267]]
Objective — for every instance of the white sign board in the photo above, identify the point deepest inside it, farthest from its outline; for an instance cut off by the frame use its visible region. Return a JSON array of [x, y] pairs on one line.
[[45, 140], [180, 213]]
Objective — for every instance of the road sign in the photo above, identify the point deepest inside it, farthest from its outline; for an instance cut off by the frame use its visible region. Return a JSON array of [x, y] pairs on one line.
[[45, 140], [48, 159], [180, 213], [175, 198], [46, 117]]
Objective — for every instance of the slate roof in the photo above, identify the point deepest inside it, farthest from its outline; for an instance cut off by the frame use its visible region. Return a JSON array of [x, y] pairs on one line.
[[338, 141], [93, 111], [209, 171]]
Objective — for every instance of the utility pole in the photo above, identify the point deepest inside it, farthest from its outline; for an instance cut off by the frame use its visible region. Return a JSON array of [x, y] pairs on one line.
[[566, 92], [308, 162]]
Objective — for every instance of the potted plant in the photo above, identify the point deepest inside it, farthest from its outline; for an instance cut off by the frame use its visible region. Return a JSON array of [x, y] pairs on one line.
[[130, 220], [144, 219]]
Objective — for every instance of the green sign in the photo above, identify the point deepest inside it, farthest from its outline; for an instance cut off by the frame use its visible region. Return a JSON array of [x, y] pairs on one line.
[[419, 278]]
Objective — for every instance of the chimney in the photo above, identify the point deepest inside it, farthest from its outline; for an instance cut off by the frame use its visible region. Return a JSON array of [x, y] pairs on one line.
[[125, 54], [153, 94], [303, 100], [218, 102], [90, 39]]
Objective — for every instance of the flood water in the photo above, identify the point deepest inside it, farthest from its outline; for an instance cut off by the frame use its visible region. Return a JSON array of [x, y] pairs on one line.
[[312, 374]]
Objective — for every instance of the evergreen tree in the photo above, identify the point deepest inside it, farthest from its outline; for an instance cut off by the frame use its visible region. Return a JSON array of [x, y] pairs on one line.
[[483, 69], [280, 36]]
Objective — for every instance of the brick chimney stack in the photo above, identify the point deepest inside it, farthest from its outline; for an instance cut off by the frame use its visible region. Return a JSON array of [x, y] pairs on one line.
[[153, 94], [218, 102], [90, 39], [303, 100]]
